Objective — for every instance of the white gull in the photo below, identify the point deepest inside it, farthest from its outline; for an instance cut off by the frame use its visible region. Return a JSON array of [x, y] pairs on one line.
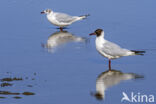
[[61, 19]]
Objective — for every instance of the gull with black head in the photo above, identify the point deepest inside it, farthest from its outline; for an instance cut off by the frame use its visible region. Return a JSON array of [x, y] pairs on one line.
[[111, 50]]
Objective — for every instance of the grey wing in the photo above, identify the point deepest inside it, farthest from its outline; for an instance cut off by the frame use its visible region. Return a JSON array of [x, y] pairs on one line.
[[61, 17], [113, 49]]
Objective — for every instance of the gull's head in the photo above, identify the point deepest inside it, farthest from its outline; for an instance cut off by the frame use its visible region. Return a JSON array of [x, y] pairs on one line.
[[47, 11], [98, 32]]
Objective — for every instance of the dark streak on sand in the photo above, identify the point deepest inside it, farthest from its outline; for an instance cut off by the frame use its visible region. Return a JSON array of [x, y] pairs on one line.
[[10, 79], [1, 97], [8, 93], [17, 97], [28, 93], [5, 84]]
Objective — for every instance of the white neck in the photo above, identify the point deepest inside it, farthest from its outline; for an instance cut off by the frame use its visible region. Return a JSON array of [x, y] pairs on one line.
[[101, 37], [100, 41], [51, 13], [102, 34]]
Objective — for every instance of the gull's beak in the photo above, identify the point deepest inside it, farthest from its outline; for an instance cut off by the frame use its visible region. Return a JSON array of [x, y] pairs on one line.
[[92, 34], [42, 12]]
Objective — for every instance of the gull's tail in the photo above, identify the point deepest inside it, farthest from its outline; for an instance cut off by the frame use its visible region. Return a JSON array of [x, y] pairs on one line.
[[138, 52], [84, 16]]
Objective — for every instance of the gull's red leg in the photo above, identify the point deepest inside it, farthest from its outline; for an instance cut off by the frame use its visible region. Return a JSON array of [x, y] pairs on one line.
[[109, 64], [61, 29]]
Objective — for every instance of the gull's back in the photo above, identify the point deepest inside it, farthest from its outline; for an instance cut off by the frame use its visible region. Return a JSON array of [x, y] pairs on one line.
[[112, 50], [64, 18]]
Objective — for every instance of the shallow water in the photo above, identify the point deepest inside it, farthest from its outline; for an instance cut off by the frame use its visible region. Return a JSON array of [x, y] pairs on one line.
[[30, 73]]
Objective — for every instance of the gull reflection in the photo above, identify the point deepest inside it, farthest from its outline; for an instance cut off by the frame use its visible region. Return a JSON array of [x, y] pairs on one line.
[[61, 37], [110, 78]]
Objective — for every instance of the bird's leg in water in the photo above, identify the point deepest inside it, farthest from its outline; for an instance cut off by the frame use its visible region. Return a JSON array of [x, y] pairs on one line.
[[109, 64], [61, 28]]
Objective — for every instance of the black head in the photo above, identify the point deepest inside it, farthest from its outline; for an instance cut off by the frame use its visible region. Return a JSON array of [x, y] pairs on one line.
[[97, 32]]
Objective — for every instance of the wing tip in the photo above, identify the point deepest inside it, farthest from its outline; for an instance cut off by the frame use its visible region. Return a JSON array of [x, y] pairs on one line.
[[84, 16], [138, 52]]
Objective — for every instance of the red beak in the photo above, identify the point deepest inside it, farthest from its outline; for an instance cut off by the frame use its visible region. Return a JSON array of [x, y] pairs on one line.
[[92, 34], [42, 12]]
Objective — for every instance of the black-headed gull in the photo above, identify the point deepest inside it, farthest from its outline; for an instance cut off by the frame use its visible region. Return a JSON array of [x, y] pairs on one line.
[[61, 19], [111, 50]]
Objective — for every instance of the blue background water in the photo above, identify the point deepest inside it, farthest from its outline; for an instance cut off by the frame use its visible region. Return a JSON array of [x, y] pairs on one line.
[[69, 75]]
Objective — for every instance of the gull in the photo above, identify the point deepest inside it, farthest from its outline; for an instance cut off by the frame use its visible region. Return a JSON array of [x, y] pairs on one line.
[[61, 19], [111, 50], [111, 78]]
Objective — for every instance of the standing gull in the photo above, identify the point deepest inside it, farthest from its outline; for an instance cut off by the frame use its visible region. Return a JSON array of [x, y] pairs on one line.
[[61, 19], [111, 50]]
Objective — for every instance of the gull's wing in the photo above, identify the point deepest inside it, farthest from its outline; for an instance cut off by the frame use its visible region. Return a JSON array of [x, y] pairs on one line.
[[114, 49], [64, 18]]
